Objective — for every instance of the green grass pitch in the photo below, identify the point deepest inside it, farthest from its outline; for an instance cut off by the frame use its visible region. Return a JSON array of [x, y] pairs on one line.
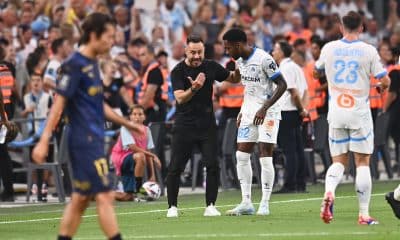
[[293, 216]]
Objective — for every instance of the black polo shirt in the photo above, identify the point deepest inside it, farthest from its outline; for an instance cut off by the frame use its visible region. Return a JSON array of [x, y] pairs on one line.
[[198, 111]]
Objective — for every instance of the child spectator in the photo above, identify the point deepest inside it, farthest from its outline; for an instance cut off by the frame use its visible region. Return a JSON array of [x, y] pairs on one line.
[[37, 104], [130, 156]]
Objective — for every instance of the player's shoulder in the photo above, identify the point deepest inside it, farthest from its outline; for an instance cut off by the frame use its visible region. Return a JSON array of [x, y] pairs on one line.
[[73, 61]]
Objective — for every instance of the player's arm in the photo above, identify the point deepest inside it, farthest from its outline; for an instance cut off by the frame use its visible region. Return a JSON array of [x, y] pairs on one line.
[[297, 100], [41, 149], [281, 87], [183, 96], [113, 117], [234, 76], [392, 96], [148, 95]]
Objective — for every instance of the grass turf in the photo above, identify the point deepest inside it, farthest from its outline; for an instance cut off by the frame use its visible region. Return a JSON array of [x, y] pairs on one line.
[[293, 216]]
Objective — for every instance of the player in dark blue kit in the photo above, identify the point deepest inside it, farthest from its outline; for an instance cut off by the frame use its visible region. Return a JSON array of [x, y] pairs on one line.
[[80, 93]]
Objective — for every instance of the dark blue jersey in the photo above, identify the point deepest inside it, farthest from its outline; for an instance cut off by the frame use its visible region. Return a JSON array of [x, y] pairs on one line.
[[80, 83]]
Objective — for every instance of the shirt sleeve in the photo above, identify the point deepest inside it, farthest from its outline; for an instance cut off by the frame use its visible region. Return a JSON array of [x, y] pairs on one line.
[[177, 78], [221, 73], [51, 72], [377, 69], [270, 68], [150, 143], [69, 81], [289, 75], [126, 138], [320, 63], [395, 81], [155, 77]]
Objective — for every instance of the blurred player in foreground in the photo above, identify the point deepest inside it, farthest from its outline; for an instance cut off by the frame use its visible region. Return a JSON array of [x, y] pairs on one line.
[[80, 92]]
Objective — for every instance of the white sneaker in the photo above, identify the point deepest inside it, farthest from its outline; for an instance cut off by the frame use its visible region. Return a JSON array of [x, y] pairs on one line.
[[263, 209], [211, 211], [242, 209], [172, 212]]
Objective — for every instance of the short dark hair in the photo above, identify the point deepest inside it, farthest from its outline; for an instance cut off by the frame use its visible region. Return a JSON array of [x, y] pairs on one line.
[[286, 48], [95, 22], [317, 40], [56, 44], [352, 20], [299, 41], [194, 38], [235, 35], [137, 42], [136, 106]]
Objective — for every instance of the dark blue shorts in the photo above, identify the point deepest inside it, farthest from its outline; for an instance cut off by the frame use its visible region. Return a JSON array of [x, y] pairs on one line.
[[90, 170], [128, 174]]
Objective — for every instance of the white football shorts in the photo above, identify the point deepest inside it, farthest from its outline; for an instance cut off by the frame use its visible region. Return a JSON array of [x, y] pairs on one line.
[[266, 132], [343, 140]]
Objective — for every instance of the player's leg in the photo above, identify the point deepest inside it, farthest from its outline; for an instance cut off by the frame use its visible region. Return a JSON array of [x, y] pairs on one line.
[[247, 137], [72, 215], [181, 147], [128, 180], [140, 166], [362, 144], [106, 215], [339, 147], [268, 134], [208, 146]]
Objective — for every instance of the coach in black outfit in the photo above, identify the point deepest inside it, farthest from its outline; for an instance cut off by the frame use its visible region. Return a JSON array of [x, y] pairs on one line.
[[192, 82]]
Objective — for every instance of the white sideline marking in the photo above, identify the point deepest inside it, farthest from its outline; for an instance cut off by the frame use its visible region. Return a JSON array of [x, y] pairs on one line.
[[181, 209], [241, 236]]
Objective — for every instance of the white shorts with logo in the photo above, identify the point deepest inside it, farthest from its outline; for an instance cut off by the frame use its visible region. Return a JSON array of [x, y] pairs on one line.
[[342, 140], [267, 132]]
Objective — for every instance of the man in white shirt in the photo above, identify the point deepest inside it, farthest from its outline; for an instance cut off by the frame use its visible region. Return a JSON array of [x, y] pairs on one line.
[[61, 50], [258, 119], [293, 103], [348, 64]]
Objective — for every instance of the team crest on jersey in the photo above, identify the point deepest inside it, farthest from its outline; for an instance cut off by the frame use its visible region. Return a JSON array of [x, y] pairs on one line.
[[272, 66]]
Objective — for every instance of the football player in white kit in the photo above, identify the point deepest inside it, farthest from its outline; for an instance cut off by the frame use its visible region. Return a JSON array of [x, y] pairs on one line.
[[348, 64], [258, 120]]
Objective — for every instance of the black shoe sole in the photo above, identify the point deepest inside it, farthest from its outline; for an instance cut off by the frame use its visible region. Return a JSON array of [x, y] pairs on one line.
[[394, 204]]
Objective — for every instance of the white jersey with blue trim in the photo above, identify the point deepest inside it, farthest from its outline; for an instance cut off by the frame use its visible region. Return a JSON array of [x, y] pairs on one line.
[[257, 73], [348, 66]]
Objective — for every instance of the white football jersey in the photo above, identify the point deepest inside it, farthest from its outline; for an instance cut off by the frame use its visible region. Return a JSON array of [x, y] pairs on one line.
[[257, 73], [348, 66]]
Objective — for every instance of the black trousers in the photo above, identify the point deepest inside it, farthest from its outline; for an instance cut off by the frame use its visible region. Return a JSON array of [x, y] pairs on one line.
[[184, 140], [291, 142], [6, 171]]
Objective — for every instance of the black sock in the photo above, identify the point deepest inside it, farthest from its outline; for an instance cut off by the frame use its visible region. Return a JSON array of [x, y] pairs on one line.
[[138, 183], [63, 238], [117, 237]]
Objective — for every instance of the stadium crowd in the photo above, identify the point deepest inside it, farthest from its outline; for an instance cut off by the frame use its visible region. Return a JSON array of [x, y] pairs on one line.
[[37, 35]]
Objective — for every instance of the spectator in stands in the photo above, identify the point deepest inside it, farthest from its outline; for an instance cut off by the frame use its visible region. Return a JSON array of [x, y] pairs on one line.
[[177, 55], [37, 104], [153, 93], [114, 91], [298, 29], [61, 50], [131, 154], [176, 18]]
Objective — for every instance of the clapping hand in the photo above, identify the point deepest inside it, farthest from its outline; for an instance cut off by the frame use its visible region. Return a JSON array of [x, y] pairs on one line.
[[199, 82]]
